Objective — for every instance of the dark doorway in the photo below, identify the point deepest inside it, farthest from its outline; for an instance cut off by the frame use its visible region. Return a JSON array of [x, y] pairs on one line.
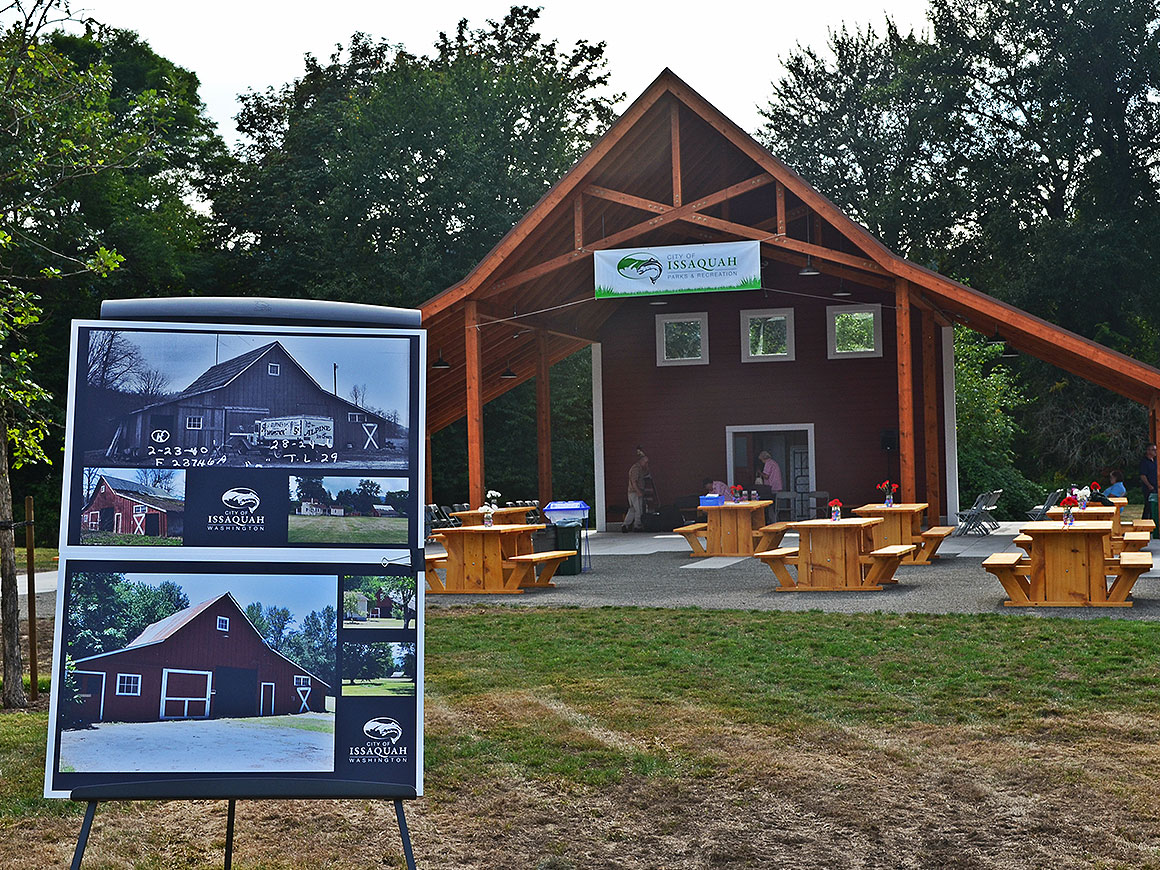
[[89, 697], [160, 429], [235, 692], [153, 525], [106, 519]]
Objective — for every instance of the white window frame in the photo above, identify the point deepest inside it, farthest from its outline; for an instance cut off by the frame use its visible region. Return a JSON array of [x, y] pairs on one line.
[[354, 416], [129, 684], [194, 423], [223, 623], [750, 313], [702, 317], [301, 680], [831, 339], [139, 509], [274, 369]]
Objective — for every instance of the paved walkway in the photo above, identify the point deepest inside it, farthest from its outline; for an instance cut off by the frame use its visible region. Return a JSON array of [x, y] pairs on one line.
[[656, 570]]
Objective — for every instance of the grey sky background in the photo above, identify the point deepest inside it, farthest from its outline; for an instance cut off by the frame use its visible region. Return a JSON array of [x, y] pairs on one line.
[[728, 51]]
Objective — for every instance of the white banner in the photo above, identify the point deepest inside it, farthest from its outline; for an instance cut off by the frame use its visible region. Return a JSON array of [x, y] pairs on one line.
[[678, 269]]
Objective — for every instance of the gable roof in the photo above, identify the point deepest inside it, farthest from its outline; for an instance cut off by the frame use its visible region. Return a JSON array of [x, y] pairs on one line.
[[139, 492], [674, 170]]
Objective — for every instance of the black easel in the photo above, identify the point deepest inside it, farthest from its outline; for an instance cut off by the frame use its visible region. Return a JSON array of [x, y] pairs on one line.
[[91, 811]]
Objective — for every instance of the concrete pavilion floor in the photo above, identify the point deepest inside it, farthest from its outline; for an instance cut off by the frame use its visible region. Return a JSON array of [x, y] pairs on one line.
[[656, 570]]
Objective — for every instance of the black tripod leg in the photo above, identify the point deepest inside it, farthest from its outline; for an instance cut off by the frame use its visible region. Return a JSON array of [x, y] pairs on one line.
[[83, 837], [405, 835], [230, 835]]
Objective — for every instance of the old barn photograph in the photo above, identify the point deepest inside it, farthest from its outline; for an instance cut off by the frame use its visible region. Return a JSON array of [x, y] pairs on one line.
[[380, 602], [173, 672], [349, 510], [192, 399], [132, 507]]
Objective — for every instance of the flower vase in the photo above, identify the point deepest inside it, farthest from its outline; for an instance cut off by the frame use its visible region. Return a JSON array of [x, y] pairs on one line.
[[736, 498], [1068, 519], [1083, 502], [835, 514], [487, 518], [890, 501]]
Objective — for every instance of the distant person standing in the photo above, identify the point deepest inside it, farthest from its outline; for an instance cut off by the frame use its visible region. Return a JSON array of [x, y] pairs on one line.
[[770, 471], [634, 519], [1148, 481]]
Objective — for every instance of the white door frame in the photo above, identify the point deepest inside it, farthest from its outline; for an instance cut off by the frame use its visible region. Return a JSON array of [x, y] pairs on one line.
[[808, 428], [262, 711], [165, 672], [104, 680]]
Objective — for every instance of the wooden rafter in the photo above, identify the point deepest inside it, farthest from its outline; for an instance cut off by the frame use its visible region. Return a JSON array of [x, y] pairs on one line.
[[675, 139]]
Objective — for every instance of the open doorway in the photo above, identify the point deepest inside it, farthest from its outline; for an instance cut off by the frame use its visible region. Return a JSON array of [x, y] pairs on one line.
[[790, 444]]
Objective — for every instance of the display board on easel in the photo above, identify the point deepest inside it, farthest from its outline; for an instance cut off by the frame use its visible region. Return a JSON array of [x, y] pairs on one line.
[[240, 603]]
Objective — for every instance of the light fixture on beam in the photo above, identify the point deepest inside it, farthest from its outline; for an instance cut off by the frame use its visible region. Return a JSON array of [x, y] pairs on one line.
[[508, 374], [808, 270], [1008, 352], [440, 363]]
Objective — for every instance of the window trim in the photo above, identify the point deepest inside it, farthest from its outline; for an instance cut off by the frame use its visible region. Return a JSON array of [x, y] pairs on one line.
[[831, 349], [355, 417], [274, 369], [702, 317], [301, 680], [129, 678], [191, 421], [790, 349], [223, 623]]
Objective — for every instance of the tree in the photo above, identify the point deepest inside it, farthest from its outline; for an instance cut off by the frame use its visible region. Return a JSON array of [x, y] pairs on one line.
[[159, 478], [314, 645], [383, 176], [400, 590], [257, 616], [311, 488]]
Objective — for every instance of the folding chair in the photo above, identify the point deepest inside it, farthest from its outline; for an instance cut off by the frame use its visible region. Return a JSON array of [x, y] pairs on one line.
[[1039, 512], [971, 519]]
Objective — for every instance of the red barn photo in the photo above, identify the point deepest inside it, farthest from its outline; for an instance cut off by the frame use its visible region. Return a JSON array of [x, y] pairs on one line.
[[125, 507]]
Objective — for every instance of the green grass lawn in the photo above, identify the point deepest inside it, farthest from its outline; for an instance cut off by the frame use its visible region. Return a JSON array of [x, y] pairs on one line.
[[386, 686], [375, 622], [112, 539], [43, 559], [348, 530]]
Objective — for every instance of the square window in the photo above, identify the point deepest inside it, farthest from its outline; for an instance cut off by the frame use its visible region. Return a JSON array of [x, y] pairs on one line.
[[193, 422], [767, 335], [682, 339], [273, 369], [223, 623], [853, 331], [128, 684]]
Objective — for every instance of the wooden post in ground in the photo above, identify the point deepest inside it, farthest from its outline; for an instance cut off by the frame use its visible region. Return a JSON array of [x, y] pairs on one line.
[[30, 556]]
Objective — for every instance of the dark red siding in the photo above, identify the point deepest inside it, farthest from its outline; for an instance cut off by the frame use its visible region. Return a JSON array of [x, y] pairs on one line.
[[110, 499]]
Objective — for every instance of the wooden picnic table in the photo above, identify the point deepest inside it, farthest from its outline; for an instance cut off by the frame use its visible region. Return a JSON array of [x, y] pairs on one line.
[[902, 524], [836, 556], [1120, 536], [1067, 566], [492, 559], [734, 527], [501, 515]]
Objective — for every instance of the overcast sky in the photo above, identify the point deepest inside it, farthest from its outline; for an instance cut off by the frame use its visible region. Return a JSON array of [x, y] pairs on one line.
[[728, 50]]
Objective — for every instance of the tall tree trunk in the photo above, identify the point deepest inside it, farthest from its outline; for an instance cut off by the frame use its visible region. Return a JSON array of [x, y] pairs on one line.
[[13, 695]]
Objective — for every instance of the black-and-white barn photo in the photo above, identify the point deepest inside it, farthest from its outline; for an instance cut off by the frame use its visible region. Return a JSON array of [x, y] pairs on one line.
[[260, 407]]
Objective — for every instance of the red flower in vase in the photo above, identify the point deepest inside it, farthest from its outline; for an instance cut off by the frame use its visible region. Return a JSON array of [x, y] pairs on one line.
[[887, 487], [835, 503], [1069, 502]]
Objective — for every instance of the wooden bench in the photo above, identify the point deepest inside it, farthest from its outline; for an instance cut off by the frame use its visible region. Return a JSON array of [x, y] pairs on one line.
[[695, 534], [1134, 542], [523, 575], [769, 537], [776, 559], [1128, 567], [1023, 542], [931, 539], [1148, 526], [1011, 569], [884, 562], [430, 563]]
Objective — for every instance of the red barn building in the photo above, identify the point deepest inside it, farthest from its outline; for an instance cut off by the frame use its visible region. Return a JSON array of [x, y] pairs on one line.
[[128, 508], [205, 661]]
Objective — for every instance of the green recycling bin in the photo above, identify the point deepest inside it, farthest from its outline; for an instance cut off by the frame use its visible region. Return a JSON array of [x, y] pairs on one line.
[[568, 538]]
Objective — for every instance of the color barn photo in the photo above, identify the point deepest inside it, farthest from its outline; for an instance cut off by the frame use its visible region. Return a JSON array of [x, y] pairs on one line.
[[349, 510], [378, 669], [175, 673], [195, 399], [133, 507], [379, 602]]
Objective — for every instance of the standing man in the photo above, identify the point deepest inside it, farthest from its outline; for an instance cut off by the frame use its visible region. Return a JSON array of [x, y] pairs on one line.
[[633, 520], [1148, 481]]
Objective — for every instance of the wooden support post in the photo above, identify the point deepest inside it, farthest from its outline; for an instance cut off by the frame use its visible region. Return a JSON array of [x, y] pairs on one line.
[[906, 459], [675, 137], [543, 419], [30, 557], [428, 475], [578, 221], [931, 445], [780, 188], [473, 347]]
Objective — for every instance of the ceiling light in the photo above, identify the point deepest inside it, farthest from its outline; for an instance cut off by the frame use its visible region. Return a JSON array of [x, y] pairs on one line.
[[440, 363], [808, 270], [508, 374]]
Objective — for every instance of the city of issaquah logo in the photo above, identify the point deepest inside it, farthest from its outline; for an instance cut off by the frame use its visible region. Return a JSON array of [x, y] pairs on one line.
[[383, 735], [383, 729], [240, 514], [640, 265], [241, 498]]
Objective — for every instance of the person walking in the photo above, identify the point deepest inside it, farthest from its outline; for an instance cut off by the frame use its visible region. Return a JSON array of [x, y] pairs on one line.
[[770, 471], [634, 519], [1148, 482]]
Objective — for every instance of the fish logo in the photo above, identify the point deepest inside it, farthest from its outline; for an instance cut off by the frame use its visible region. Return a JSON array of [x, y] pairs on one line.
[[640, 265], [383, 729], [241, 498]]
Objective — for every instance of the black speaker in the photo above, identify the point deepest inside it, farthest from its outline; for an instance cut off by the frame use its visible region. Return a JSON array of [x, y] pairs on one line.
[[888, 440]]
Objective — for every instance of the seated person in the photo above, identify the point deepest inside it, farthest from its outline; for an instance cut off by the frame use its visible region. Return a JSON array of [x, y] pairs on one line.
[[716, 487], [1116, 488]]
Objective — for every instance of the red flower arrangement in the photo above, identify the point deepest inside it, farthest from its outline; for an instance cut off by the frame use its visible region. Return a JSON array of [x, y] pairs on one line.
[[887, 487], [835, 503], [1094, 486], [1069, 502], [736, 489], [835, 509]]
